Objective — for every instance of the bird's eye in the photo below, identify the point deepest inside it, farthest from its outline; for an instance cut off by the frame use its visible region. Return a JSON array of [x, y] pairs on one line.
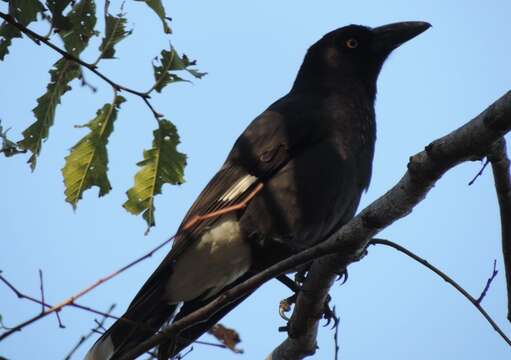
[[352, 43]]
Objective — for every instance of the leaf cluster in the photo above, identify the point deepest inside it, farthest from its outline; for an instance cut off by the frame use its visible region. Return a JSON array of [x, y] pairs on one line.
[[73, 23]]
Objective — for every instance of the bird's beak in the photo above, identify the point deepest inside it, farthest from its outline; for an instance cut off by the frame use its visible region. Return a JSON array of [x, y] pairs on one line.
[[391, 36]]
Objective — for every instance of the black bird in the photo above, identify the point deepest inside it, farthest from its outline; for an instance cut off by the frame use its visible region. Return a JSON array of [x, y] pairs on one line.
[[300, 167]]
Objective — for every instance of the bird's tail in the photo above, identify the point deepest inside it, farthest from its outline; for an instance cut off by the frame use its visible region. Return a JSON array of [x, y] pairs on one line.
[[130, 330]]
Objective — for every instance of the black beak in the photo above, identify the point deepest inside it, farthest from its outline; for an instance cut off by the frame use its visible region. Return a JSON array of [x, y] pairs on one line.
[[391, 36]]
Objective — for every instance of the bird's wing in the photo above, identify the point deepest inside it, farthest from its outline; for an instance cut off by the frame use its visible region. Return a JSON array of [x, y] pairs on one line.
[[267, 144]]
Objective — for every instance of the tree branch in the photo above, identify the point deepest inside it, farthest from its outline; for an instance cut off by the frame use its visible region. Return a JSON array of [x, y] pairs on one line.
[[71, 300], [469, 142], [11, 20], [83, 338], [473, 300], [500, 167], [145, 96]]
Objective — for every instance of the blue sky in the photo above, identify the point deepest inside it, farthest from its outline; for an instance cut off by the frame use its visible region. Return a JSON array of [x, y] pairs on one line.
[[391, 307]]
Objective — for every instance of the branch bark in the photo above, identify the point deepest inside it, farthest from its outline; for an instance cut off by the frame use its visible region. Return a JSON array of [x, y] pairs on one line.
[[500, 167], [469, 142]]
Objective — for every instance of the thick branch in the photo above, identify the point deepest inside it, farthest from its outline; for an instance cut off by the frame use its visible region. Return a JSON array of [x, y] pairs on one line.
[[424, 169], [500, 166], [471, 141]]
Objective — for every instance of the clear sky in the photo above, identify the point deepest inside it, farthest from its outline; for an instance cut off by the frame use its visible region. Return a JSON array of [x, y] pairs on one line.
[[391, 307]]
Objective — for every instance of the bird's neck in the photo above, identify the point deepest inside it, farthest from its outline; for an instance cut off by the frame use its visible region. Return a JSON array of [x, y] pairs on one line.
[[325, 86]]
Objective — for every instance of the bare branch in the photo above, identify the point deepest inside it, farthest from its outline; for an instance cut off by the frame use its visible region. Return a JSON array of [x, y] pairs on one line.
[[83, 338], [488, 282], [479, 173], [71, 300], [447, 279], [469, 142], [336, 336], [500, 167]]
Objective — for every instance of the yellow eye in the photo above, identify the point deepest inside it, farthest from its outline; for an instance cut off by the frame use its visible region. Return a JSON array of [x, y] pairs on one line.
[[352, 43]]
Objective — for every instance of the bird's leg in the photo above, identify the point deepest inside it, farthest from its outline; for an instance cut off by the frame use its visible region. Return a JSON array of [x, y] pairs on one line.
[[300, 275], [294, 286]]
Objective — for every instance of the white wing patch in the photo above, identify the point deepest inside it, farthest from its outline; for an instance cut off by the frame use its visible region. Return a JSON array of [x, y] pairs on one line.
[[238, 188], [102, 350], [217, 259]]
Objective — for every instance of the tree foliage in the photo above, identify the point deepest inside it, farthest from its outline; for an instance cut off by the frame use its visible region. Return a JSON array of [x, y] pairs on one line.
[[72, 24]]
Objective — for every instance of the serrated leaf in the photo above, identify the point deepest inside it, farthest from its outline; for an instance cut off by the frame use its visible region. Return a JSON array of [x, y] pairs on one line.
[[157, 7], [25, 12], [171, 61], [115, 31], [162, 164], [7, 33], [60, 75], [58, 20], [87, 163], [82, 19]]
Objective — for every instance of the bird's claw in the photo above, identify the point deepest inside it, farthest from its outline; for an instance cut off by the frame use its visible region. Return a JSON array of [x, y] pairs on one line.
[[343, 276], [285, 306]]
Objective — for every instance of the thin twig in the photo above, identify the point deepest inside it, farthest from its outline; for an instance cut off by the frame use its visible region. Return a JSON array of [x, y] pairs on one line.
[[21, 295], [42, 290], [488, 282], [447, 279], [479, 173], [500, 166], [71, 57], [83, 338], [71, 300], [336, 334]]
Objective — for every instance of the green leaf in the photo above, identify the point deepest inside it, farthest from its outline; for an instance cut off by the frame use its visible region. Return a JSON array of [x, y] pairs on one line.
[[7, 33], [60, 75], [171, 61], [58, 20], [162, 164], [157, 7], [25, 11], [82, 19], [87, 163], [115, 31]]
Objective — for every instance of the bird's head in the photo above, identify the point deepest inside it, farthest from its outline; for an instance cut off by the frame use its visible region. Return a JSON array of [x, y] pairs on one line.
[[353, 54]]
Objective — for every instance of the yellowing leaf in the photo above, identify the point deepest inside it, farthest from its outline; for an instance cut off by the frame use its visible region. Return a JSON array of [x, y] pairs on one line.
[[162, 164], [115, 31], [62, 73], [171, 61], [87, 163]]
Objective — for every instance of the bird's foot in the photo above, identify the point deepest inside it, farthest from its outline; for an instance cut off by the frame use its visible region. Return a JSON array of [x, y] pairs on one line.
[[285, 306]]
